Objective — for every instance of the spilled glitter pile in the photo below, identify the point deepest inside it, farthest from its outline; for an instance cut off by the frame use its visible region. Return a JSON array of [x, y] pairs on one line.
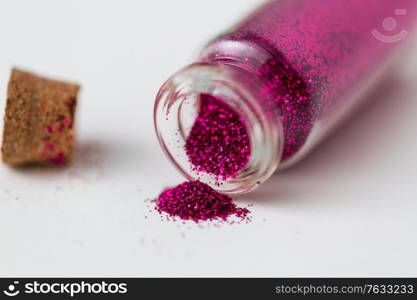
[[197, 201], [218, 143]]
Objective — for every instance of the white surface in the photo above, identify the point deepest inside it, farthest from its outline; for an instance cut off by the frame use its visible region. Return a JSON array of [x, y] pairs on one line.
[[349, 209]]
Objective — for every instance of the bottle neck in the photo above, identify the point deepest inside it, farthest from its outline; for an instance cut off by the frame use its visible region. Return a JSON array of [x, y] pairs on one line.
[[228, 72]]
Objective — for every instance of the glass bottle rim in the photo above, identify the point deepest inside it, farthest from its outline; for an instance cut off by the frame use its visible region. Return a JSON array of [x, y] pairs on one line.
[[176, 107]]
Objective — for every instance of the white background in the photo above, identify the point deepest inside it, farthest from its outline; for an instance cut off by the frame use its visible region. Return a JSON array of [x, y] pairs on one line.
[[348, 209]]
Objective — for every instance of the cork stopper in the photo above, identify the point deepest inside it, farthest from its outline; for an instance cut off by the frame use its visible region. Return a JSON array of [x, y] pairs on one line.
[[39, 120]]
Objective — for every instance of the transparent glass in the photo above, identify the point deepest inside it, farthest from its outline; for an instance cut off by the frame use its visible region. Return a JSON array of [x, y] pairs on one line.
[[177, 106], [293, 70]]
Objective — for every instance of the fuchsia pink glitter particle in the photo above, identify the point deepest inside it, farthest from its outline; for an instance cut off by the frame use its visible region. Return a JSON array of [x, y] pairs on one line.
[[197, 201], [218, 143]]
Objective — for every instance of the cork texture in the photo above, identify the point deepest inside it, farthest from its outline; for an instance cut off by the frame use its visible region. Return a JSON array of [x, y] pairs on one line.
[[39, 120]]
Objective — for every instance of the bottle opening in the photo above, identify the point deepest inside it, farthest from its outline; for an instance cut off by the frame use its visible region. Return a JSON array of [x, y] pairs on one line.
[[213, 129]]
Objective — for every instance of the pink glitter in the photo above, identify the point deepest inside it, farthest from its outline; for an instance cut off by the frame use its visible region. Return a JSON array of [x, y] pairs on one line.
[[320, 53], [218, 143], [53, 136], [57, 159], [48, 129], [197, 201], [303, 62]]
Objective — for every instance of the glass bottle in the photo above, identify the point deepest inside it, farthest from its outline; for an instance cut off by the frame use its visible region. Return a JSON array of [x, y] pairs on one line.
[[293, 69]]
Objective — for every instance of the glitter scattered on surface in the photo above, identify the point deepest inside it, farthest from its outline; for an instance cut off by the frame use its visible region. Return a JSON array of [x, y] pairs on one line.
[[218, 143], [197, 201]]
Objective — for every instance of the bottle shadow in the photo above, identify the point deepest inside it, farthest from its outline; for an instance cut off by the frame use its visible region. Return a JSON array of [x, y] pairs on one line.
[[354, 143]]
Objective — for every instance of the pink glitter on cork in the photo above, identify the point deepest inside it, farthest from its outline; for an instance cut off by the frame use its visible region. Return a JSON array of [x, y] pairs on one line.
[[278, 83], [57, 133]]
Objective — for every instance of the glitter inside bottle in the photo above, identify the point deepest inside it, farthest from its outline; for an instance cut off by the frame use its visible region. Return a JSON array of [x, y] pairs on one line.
[[260, 96]]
